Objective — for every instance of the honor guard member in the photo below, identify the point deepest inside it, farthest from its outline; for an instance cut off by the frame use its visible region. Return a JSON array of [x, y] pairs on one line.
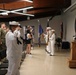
[[14, 49], [52, 41], [48, 47], [2, 36]]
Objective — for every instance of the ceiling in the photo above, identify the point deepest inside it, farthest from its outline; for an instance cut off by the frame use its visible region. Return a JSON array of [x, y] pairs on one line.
[[41, 8]]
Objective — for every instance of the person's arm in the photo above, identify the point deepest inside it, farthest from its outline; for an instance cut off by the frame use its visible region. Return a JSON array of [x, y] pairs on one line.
[[29, 36], [52, 37], [16, 33], [1, 35]]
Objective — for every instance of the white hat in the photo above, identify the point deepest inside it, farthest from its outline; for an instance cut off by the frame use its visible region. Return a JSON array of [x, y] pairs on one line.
[[48, 28], [13, 23], [52, 30]]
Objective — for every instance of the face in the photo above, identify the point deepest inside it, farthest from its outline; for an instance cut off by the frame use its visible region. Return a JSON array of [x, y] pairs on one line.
[[53, 32], [14, 27], [3, 26]]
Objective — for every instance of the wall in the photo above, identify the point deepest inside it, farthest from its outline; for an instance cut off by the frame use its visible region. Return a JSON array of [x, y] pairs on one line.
[[69, 20]]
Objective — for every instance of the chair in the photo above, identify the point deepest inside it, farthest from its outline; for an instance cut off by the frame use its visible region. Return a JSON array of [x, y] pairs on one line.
[[58, 42], [65, 45]]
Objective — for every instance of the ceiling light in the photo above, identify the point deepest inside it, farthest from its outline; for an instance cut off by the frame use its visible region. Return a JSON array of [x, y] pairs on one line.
[[21, 13], [29, 1], [2, 10], [4, 13], [23, 9]]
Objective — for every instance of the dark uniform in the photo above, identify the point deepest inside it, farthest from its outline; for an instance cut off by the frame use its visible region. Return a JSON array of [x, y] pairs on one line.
[[2, 39]]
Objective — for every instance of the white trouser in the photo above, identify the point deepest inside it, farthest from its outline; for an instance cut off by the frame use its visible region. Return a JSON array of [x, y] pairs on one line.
[[13, 67], [52, 48], [48, 47]]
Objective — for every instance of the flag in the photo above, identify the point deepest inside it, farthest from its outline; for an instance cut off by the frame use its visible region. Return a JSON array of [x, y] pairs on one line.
[[40, 31], [62, 30]]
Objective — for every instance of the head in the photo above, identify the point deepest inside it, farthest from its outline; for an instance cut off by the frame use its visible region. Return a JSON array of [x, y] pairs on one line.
[[13, 25], [48, 28], [28, 27], [3, 26], [19, 27], [53, 31], [31, 29]]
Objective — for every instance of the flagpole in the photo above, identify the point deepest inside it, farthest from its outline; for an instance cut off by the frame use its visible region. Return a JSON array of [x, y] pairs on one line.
[[40, 31], [39, 42]]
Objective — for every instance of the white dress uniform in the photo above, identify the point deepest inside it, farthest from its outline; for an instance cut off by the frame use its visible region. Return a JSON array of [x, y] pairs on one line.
[[52, 41], [17, 33], [49, 44], [47, 36], [14, 52]]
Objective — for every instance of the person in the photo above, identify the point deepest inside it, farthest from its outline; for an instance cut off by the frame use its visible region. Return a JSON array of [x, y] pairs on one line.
[[28, 42], [2, 36], [52, 41], [14, 50], [47, 36], [32, 37]]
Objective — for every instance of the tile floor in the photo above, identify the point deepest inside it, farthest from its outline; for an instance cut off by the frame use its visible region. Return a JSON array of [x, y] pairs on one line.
[[42, 64]]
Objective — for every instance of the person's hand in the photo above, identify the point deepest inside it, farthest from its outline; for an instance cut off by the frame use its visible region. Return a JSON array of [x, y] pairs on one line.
[[7, 29], [17, 28]]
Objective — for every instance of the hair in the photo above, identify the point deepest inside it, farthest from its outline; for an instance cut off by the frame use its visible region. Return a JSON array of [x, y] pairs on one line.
[[1, 24], [28, 31]]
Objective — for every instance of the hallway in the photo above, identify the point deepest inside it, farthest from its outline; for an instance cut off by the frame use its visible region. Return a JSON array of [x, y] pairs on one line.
[[42, 64]]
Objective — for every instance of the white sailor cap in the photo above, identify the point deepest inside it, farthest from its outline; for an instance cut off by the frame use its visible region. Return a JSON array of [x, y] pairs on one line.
[[52, 30], [48, 28], [13, 23]]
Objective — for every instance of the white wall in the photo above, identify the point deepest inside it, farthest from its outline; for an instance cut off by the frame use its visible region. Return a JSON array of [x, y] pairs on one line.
[[54, 23], [69, 19]]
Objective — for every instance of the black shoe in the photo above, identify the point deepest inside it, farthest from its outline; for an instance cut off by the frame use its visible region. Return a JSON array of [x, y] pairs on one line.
[[51, 55]]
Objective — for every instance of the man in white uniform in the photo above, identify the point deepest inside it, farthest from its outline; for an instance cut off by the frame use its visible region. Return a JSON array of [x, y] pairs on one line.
[[47, 36], [14, 49], [52, 41]]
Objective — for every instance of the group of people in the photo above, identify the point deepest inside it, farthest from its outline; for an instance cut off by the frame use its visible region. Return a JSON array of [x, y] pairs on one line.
[[12, 40], [50, 40]]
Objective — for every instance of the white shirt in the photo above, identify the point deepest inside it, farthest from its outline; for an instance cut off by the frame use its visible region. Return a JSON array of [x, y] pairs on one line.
[[52, 38], [13, 49]]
